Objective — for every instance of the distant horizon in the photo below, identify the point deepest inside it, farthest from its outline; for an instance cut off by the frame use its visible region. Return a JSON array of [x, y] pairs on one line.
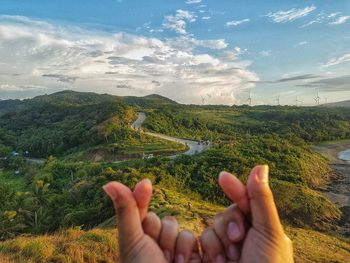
[[193, 52], [155, 94]]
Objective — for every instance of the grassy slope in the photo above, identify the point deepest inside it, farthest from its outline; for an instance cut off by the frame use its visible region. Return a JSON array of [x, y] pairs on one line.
[[100, 245], [133, 149]]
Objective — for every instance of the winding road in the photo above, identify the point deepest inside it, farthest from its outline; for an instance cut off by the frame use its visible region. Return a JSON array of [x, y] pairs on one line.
[[194, 146]]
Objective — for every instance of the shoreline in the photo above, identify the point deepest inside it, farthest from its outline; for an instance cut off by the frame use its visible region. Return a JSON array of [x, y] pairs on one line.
[[338, 189], [331, 149]]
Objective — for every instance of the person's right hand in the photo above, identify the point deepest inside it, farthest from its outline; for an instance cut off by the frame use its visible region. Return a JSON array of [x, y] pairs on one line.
[[250, 230]]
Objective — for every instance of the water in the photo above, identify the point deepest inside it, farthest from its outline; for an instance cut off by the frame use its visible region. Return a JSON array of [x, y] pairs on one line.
[[344, 155]]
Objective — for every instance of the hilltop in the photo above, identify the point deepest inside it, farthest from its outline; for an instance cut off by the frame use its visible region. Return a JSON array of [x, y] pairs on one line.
[[340, 104]]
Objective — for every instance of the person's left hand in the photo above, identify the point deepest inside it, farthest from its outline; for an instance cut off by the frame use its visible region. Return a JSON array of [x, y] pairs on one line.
[[143, 237]]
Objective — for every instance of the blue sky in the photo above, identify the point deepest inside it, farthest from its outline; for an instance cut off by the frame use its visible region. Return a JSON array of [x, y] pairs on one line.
[[193, 51]]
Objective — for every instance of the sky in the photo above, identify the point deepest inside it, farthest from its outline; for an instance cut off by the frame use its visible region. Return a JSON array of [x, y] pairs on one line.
[[192, 51]]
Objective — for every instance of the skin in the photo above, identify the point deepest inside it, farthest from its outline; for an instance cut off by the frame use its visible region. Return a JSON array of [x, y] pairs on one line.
[[143, 237], [247, 231]]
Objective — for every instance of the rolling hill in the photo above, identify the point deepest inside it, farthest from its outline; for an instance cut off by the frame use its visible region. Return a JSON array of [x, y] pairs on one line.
[[65, 192], [340, 104]]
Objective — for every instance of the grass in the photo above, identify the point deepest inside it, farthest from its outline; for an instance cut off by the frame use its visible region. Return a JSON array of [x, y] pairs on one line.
[[301, 206], [14, 181], [166, 202], [312, 246], [128, 150], [68, 246], [100, 245]]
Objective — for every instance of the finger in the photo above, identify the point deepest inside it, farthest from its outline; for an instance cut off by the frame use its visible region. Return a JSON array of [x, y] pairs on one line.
[[235, 190], [168, 236], [143, 194], [263, 207], [195, 256], [129, 223], [185, 243], [234, 223], [152, 226], [213, 250], [230, 228]]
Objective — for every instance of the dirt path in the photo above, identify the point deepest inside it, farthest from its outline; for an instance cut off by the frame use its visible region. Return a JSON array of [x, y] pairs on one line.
[[338, 190]]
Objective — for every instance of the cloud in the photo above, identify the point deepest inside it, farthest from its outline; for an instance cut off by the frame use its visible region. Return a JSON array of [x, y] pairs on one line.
[[189, 43], [47, 57], [302, 43], [340, 20], [330, 19], [265, 53], [341, 83], [62, 78], [193, 2], [297, 78], [290, 15], [206, 17], [237, 22], [336, 61], [235, 53], [179, 21]]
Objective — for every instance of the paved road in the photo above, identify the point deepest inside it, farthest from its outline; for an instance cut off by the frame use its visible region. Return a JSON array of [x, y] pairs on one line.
[[36, 160], [194, 146], [140, 120]]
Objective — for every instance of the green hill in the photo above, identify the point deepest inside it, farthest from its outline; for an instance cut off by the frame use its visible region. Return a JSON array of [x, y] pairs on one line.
[[67, 122], [340, 104]]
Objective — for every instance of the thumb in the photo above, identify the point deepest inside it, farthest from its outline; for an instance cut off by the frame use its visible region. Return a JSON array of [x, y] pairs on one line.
[[263, 208], [129, 223]]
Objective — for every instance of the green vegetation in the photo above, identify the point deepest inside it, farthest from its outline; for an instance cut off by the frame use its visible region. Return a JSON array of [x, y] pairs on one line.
[[88, 133]]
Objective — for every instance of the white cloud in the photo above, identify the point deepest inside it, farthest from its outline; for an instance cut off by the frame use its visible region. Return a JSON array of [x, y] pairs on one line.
[[331, 19], [206, 17], [189, 43], [340, 20], [301, 43], [178, 21], [336, 61], [193, 1], [237, 22], [290, 15], [38, 57], [235, 53], [265, 53]]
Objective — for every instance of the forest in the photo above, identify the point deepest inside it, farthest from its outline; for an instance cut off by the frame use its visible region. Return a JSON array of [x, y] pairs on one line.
[[65, 192]]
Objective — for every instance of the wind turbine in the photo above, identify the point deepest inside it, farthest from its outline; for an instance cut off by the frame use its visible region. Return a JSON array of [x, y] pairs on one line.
[[278, 100], [203, 100], [249, 99], [297, 101], [317, 99]]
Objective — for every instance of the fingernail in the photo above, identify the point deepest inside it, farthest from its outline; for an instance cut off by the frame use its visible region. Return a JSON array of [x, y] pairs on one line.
[[233, 253], [110, 191], [148, 181], [263, 173], [220, 259], [167, 255], [233, 231], [180, 258]]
